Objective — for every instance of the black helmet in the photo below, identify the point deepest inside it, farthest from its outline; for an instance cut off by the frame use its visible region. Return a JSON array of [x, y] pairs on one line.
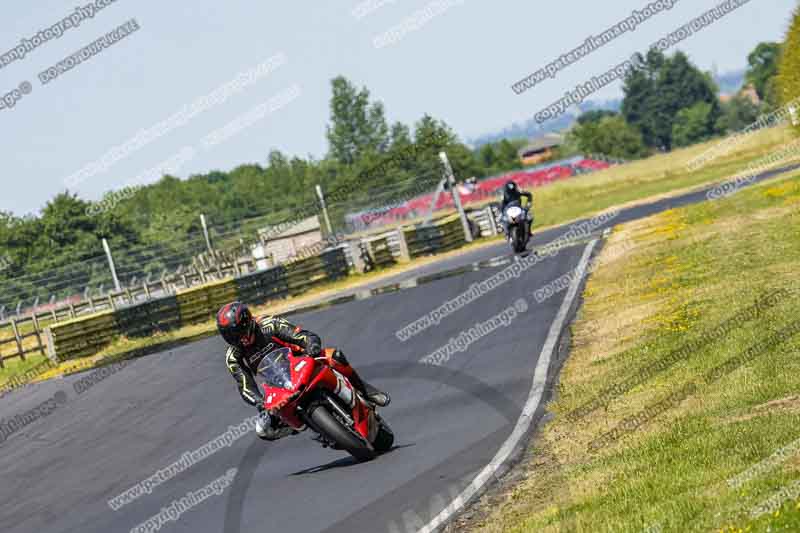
[[236, 325], [511, 186]]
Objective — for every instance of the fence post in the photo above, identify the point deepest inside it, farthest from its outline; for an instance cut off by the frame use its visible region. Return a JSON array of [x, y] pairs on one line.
[[72, 313], [146, 291], [51, 347], [38, 334], [205, 233], [17, 338], [405, 256], [111, 264], [492, 220], [456, 197], [324, 207], [355, 255]]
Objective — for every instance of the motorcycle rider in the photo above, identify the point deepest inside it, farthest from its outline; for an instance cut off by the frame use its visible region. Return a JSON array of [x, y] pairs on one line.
[[251, 339], [513, 195]]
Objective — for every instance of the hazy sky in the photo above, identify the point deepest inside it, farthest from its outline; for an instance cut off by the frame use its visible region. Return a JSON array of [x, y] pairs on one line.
[[458, 67]]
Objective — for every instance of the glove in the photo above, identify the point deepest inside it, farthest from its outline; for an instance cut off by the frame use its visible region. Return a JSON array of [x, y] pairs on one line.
[[314, 349]]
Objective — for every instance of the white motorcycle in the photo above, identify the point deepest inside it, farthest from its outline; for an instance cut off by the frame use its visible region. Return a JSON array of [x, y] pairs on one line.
[[519, 223]]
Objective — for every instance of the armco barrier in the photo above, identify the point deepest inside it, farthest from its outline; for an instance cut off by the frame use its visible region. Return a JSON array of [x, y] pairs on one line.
[[83, 336], [447, 234], [381, 252], [88, 335], [197, 304], [148, 318], [261, 286]]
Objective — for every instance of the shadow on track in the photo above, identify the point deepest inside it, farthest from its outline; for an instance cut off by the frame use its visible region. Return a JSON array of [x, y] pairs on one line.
[[343, 462], [467, 384]]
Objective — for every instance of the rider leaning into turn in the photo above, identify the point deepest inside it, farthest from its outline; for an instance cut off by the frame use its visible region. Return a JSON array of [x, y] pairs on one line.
[[251, 339], [512, 195]]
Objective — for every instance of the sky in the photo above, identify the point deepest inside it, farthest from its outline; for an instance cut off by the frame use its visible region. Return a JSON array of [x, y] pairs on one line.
[[457, 65]]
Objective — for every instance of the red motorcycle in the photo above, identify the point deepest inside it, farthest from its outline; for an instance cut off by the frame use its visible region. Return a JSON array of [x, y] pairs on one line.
[[307, 392]]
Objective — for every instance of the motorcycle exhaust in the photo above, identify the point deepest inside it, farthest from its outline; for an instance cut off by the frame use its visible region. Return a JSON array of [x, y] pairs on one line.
[[344, 390]]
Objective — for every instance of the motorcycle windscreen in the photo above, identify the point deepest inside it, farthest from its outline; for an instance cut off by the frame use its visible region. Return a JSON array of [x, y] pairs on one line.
[[275, 369], [514, 213]]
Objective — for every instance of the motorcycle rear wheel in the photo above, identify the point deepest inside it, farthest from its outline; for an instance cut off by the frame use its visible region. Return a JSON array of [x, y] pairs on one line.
[[324, 421]]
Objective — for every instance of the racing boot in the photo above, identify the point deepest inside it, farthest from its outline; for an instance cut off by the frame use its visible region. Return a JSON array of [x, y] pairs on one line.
[[371, 393], [338, 361]]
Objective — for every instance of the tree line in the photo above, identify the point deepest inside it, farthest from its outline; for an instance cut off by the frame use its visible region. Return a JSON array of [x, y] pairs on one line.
[[157, 227], [670, 103]]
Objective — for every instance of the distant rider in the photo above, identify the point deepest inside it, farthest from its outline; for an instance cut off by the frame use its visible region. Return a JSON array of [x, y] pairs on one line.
[[250, 340], [512, 195]]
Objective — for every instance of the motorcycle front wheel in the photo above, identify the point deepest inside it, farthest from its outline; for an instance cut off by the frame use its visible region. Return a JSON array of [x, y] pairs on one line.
[[326, 423], [517, 242], [385, 439]]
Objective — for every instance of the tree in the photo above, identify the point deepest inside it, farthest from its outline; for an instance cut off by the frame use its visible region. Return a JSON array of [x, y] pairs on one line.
[[737, 114], [400, 135], [487, 156], [610, 136], [356, 125], [640, 92], [772, 98], [596, 115], [378, 131], [763, 67], [788, 79], [655, 94], [692, 125], [497, 157]]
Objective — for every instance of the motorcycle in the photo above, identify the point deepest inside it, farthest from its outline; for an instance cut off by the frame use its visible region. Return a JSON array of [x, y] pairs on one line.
[[519, 227], [306, 392]]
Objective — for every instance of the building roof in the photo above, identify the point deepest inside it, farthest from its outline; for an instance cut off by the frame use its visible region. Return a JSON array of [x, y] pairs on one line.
[[296, 228], [549, 140]]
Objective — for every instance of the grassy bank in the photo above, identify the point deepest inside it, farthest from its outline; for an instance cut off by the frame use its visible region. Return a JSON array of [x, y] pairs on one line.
[[662, 403]]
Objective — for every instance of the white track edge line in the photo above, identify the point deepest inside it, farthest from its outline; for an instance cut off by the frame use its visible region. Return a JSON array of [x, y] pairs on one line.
[[526, 417]]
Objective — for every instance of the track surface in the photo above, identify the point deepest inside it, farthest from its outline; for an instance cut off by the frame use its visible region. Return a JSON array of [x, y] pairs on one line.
[[60, 471]]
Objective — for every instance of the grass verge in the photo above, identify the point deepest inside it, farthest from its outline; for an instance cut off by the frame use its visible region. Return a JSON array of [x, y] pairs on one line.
[[662, 448]]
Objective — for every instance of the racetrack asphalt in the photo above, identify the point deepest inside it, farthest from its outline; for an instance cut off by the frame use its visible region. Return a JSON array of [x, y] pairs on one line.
[[60, 471]]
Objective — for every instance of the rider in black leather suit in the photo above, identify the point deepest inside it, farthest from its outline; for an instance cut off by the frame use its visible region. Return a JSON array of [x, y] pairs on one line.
[[251, 339]]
